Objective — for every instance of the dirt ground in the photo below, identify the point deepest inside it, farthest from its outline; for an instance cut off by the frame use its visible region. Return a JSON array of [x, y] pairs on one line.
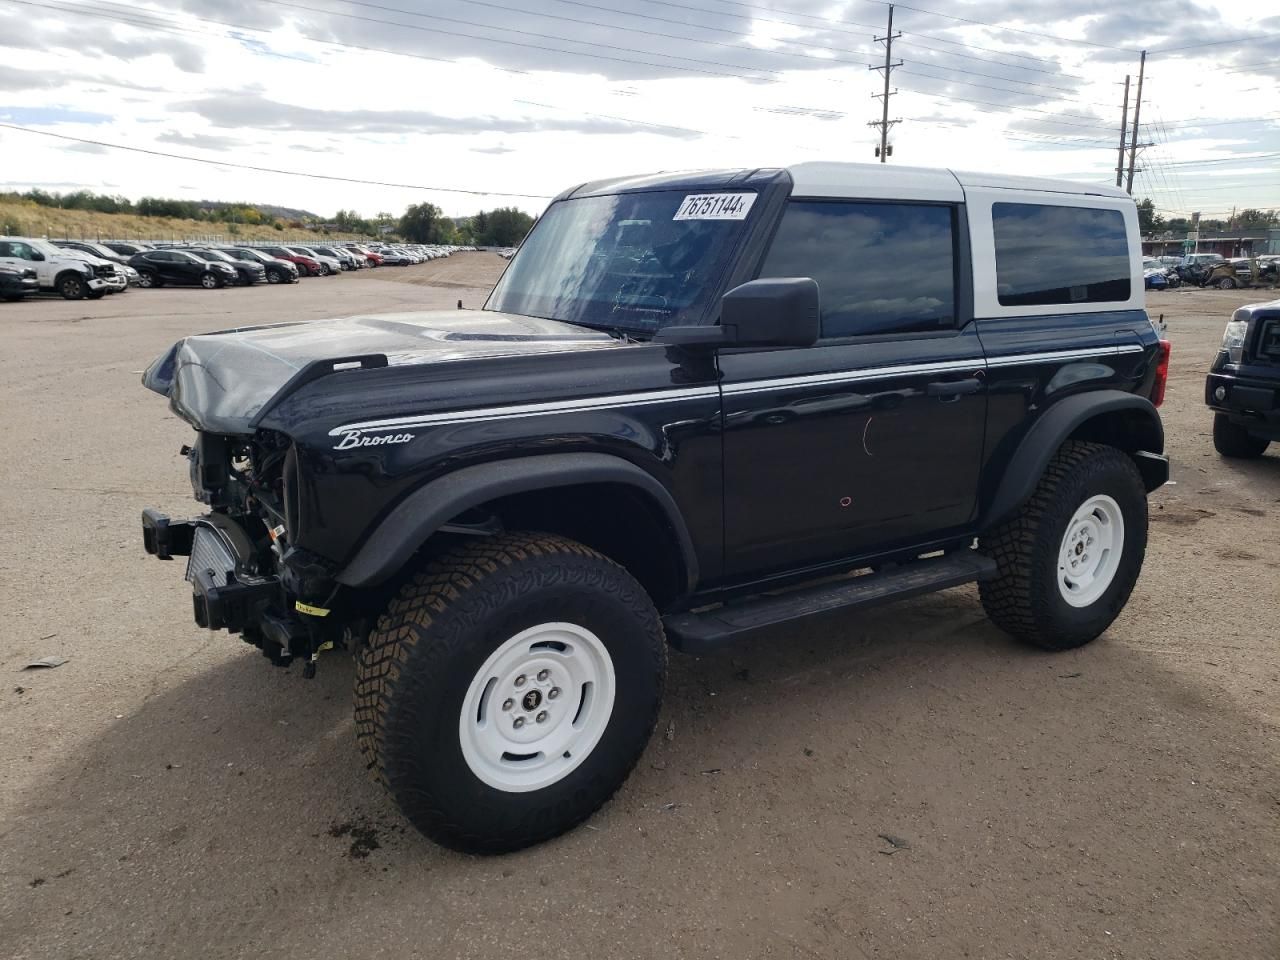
[[167, 793]]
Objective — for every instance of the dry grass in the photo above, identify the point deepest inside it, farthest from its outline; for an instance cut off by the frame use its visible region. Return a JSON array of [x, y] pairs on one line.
[[31, 220]]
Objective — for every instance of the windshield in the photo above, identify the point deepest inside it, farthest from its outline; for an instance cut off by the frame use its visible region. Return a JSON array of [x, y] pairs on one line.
[[636, 262], [211, 255]]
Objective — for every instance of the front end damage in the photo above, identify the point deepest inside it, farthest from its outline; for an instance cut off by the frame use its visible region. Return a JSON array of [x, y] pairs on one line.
[[246, 576]]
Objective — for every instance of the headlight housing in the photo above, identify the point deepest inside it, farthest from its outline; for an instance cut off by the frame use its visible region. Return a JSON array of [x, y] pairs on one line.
[[1233, 338]]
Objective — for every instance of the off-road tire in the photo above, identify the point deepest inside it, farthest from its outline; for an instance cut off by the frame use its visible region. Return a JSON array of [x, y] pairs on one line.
[[1232, 440], [424, 651], [1024, 598]]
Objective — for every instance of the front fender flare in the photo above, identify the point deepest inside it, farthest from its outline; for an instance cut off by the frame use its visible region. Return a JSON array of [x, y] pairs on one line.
[[406, 528], [1033, 453]]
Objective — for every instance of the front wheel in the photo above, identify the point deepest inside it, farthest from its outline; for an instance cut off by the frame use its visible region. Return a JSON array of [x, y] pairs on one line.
[[509, 689], [1068, 561], [1226, 283], [72, 288], [1232, 440], [275, 276], [209, 281]]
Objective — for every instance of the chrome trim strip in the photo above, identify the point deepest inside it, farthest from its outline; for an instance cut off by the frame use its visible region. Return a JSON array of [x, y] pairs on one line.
[[850, 376], [1019, 358], [530, 409], [750, 386]]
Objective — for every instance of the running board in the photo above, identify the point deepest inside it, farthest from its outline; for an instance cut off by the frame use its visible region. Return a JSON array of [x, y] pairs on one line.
[[698, 632]]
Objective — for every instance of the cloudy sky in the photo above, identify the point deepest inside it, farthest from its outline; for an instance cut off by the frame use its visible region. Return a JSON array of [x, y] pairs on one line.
[[525, 97]]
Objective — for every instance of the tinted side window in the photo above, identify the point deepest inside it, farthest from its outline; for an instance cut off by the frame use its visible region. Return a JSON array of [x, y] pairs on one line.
[[880, 267], [1048, 254]]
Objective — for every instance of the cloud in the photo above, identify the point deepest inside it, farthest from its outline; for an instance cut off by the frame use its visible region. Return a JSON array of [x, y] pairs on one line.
[[497, 150], [88, 35], [238, 111], [12, 80], [201, 141]]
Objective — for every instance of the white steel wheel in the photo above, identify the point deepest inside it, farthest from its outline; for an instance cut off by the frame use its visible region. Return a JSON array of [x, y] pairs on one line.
[[1091, 550], [537, 708]]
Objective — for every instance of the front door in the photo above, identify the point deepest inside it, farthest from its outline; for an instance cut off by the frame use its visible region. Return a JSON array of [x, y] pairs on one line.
[[873, 436]]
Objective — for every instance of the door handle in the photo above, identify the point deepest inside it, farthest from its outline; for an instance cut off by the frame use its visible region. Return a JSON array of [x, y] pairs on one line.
[[953, 388]]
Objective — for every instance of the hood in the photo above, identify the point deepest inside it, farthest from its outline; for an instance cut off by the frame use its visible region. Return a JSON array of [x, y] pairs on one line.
[[89, 258], [220, 381]]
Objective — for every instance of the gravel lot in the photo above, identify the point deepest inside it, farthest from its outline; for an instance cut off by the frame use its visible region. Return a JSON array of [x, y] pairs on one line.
[[166, 793]]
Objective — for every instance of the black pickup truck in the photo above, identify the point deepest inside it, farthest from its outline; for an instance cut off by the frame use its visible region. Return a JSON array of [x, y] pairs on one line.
[[694, 407], [1243, 386]]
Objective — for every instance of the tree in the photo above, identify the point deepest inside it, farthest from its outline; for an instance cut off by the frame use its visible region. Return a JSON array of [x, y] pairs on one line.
[[504, 227], [420, 223], [1251, 219], [1149, 221]]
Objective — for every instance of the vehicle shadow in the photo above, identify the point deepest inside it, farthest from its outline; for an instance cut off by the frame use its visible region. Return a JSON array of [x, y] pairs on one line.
[[908, 780]]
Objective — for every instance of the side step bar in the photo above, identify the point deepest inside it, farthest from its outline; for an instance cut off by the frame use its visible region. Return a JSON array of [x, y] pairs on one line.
[[698, 632]]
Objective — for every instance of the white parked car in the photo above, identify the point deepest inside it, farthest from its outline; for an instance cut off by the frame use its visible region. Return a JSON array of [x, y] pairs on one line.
[[73, 274]]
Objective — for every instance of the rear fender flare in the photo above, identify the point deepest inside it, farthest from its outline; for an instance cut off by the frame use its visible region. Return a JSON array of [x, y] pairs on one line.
[[1056, 425], [419, 515]]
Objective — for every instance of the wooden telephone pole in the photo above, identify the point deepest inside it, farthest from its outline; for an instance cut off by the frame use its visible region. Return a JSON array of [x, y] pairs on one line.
[[884, 123]]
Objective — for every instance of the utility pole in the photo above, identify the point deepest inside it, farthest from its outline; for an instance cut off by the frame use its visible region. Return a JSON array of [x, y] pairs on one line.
[[1124, 122], [884, 123], [1137, 111]]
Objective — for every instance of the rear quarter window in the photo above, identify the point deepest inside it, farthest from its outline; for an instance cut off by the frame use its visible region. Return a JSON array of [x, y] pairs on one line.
[[1049, 254]]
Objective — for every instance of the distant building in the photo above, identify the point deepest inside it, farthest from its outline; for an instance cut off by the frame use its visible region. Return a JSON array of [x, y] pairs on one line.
[[1224, 243]]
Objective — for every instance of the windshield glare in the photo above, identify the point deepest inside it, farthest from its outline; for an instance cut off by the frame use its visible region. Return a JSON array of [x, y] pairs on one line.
[[619, 262]]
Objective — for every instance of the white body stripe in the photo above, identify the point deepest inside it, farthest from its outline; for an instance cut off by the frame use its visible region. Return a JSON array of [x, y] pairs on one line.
[[750, 386]]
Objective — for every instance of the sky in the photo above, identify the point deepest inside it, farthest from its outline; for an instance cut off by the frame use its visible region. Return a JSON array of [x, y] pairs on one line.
[[472, 104]]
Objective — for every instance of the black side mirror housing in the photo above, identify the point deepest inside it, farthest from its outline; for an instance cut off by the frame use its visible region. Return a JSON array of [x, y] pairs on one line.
[[36, 255], [774, 312]]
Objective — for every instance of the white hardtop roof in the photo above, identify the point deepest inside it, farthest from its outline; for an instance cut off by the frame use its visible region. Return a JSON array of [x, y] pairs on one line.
[[882, 181]]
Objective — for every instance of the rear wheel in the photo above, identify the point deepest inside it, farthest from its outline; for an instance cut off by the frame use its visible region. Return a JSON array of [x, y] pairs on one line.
[[509, 689], [1233, 440], [147, 279], [1068, 561]]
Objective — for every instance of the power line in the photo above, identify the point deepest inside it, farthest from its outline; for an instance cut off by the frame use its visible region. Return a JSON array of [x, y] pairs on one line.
[[542, 47], [287, 173], [998, 26], [1203, 163], [1214, 43]]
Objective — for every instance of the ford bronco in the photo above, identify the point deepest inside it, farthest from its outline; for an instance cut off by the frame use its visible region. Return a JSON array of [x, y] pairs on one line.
[[695, 407]]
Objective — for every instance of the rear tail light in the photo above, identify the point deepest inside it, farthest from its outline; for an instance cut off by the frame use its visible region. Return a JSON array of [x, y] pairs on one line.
[[1162, 373]]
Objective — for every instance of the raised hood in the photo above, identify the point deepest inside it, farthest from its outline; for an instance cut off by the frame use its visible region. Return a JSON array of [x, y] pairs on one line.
[[220, 381]]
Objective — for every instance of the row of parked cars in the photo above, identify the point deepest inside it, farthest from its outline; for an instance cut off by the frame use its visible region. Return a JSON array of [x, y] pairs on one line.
[[79, 269], [1211, 270]]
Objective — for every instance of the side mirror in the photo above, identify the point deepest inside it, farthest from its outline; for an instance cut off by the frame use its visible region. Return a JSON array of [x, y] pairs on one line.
[[37, 255], [776, 312]]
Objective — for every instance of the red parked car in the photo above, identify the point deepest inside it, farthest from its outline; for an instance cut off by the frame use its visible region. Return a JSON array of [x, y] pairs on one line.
[[307, 266], [374, 259]]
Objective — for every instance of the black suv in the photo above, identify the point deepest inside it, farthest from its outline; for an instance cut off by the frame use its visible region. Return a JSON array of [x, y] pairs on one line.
[[1243, 386], [158, 267], [277, 270], [248, 271], [694, 407]]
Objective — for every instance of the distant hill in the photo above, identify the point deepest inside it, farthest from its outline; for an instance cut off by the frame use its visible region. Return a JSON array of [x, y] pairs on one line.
[[281, 213]]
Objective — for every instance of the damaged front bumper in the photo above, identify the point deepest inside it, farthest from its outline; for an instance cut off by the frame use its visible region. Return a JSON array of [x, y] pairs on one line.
[[227, 595]]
